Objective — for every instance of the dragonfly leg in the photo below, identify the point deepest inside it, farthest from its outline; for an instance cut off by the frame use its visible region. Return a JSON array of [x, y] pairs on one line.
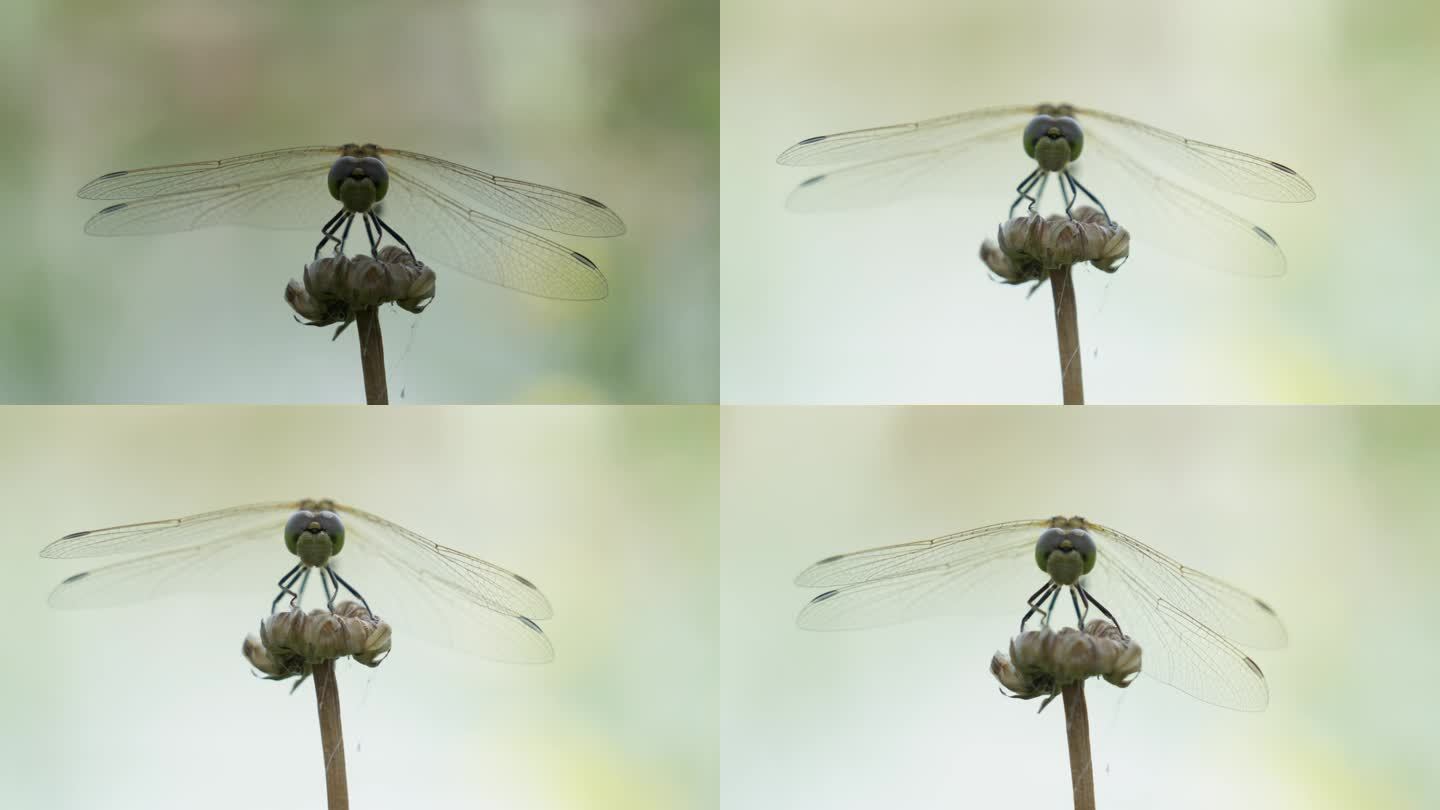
[[1034, 602], [351, 589], [328, 229], [373, 236], [1091, 600], [1024, 190], [1075, 600], [329, 594], [284, 584], [300, 592], [1075, 184], [381, 223], [1068, 196], [1039, 192], [1054, 597], [340, 244]]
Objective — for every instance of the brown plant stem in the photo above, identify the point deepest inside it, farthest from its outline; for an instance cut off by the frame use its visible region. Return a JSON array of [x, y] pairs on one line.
[[332, 740], [372, 356], [1077, 734], [1067, 334]]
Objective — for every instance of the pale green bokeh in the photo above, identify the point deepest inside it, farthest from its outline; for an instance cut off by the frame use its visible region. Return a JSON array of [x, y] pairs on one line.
[[614, 99], [611, 511], [893, 305], [1327, 514]]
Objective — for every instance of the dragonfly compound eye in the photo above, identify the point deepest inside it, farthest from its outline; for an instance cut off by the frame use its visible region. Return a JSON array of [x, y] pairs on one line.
[[339, 171], [295, 526], [1035, 130], [374, 169], [1085, 544], [1049, 541], [331, 525], [1073, 135]]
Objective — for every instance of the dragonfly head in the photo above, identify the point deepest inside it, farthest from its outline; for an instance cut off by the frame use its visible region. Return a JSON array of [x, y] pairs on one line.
[[314, 535], [1065, 551], [359, 182], [1054, 141]]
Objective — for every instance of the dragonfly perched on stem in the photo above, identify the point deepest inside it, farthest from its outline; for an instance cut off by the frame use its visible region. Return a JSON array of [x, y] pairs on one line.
[[1189, 623], [1145, 167], [436, 592], [442, 206]]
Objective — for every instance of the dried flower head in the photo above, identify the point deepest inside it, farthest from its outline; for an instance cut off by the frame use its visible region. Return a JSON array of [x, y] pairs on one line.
[[1042, 662], [1027, 248], [335, 287], [290, 644]]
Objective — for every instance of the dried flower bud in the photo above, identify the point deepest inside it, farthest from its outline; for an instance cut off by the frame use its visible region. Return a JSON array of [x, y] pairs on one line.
[[1042, 662], [290, 644], [333, 288], [1027, 248]]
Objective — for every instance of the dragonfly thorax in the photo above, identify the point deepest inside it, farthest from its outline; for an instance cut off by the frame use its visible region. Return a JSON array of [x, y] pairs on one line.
[[359, 182], [314, 536], [1065, 551], [1054, 141]]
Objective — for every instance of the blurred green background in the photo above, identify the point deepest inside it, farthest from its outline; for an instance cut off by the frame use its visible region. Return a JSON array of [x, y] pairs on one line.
[[616, 99], [611, 511], [1327, 514], [892, 304]]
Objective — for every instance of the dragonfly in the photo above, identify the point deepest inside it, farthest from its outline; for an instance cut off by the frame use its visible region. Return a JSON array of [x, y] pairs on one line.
[[1149, 169], [442, 206], [1189, 624], [437, 593]]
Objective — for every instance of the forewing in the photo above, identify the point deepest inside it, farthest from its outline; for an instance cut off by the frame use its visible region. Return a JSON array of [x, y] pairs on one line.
[[298, 199], [156, 181], [426, 563], [444, 232], [220, 527], [1233, 613], [993, 583], [973, 167], [530, 203], [880, 143], [954, 552], [1225, 169]]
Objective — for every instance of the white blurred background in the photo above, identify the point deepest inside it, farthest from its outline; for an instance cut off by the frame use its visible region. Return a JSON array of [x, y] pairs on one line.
[[612, 512], [1327, 514], [615, 99], [892, 304]]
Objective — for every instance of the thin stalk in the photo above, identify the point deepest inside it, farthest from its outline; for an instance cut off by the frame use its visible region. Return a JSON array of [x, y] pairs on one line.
[[1077, 734], [372, 356], [1067, 334], [332, 739]]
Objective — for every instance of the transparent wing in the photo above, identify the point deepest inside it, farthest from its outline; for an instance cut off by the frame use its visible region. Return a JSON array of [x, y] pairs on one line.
[[240, 564], [1213, 603], [528, 203], [441, 594], [297, 200], [156, 181], [880, 143], [1187, 622], [222, 526], [1160, 214], [988, 164], [428, 562], [444, 232], [954, 553], [1225, 169]]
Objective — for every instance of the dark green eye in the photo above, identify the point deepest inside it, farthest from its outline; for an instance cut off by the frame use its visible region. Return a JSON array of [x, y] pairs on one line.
[[1035, 130], [1071, 132], [1085, 544], [375, 170], [339, 170], [1049, 541], [331, 525], [296, 526]]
